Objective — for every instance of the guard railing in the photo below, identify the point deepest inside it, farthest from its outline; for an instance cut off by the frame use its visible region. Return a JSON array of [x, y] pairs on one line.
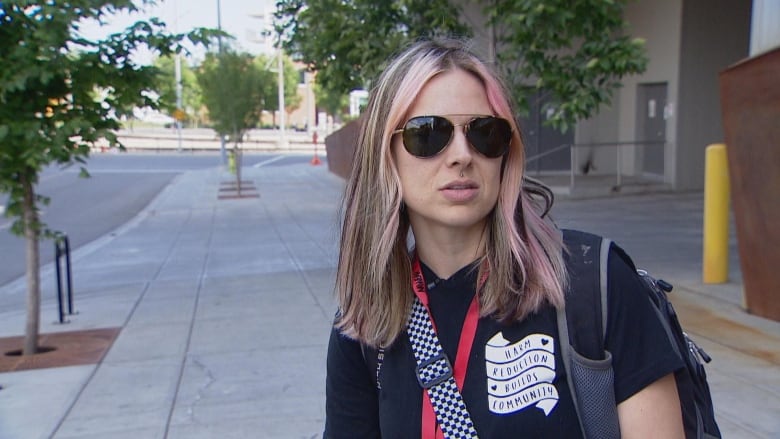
[[574, 147]]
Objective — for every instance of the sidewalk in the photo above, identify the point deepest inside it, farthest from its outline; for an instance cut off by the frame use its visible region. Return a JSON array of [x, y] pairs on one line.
[[225, 306]]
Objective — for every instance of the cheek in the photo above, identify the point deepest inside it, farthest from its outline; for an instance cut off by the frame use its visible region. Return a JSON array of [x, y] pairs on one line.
[[414, 177], [494, 180], [407, 174], [493, 185]]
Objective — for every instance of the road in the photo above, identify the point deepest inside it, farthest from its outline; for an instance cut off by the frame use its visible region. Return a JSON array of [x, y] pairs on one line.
[[121, 185]]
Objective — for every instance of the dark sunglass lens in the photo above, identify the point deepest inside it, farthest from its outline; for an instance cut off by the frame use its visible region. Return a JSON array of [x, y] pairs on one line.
[[490, 135], [426, 136]]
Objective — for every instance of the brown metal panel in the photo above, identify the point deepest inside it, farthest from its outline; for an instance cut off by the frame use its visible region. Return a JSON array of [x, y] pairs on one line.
[[750, 104], [340, 147]]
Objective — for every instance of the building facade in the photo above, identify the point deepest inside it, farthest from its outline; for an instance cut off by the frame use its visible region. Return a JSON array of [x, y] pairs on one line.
[[660, 122]]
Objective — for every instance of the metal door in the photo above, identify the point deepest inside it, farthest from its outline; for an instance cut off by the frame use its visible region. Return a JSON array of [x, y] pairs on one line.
[[539, 139], [652, 112]]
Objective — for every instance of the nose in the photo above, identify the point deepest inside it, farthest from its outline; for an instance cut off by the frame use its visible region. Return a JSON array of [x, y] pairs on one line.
[[459, 153]]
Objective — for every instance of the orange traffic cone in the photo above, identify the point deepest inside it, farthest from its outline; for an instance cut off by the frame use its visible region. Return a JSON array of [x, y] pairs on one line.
[[315, 160]]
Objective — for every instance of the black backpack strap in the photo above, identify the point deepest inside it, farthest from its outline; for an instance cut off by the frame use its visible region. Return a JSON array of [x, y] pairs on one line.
[[586, 256], [582, 322]]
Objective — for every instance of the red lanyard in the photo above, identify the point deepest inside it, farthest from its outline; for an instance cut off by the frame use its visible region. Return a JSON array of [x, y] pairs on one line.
[[430, 429]]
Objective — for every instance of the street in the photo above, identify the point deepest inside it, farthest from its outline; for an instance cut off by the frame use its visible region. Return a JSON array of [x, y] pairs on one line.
[[121, 185], [225, 307]]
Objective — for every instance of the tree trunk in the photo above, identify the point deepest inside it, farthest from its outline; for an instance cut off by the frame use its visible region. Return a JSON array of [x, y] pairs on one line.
[[33, 267], [237, 159], [237, 154]]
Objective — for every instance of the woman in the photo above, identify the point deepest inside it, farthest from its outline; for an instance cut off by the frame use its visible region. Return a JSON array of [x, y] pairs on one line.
[[440, 155]]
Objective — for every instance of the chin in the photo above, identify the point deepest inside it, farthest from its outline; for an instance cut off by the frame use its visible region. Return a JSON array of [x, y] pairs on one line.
[[465, 222]]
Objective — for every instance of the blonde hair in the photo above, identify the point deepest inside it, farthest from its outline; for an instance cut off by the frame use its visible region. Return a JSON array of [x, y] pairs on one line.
[[373, 281]]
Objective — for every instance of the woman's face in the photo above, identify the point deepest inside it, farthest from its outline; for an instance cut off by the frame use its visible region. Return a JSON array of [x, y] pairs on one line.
[[457, 188]]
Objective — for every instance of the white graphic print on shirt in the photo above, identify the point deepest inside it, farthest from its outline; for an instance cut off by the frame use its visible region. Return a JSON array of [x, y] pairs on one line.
[[521, 374]]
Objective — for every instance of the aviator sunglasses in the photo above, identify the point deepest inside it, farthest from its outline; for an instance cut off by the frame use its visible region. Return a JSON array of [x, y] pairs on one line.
[[426, 136]]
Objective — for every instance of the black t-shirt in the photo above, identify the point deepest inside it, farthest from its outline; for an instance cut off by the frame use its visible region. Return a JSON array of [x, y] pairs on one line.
[[515, 381]]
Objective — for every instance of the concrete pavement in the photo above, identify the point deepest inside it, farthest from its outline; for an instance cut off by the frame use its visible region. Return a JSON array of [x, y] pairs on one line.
[[225, 308]]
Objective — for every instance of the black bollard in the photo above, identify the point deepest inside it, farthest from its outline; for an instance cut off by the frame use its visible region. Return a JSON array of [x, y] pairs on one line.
[[57, 254], [68, 275], [62, 249]]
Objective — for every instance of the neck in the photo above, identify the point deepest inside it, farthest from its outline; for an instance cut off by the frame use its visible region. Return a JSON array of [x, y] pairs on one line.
[[447, 251]]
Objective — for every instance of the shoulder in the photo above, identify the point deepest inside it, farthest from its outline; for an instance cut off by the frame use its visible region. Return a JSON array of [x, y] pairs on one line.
[[350, 394], [641, 348], [592, 259], [342, 348], [603, 268], [583, 254]]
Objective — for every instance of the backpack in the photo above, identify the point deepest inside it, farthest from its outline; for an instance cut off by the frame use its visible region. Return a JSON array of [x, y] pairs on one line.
[[583, 322], [588, 364]]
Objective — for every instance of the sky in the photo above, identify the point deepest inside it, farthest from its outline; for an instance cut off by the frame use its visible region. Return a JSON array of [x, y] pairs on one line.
[[184, 15]]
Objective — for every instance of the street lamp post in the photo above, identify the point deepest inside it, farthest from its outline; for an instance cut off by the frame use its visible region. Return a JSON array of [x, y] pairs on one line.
[[222, 151]]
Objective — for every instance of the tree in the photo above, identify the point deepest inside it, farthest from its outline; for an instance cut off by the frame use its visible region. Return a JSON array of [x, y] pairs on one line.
[[292, 78], [166, 87], [334, 103], [59, 94], [232, 87], [270, 93], [571, 51], [348, 42], [268, 66]]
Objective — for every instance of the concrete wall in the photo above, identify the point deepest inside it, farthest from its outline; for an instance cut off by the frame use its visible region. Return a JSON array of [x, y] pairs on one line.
[[687, 42], [658, 23], [765, 31], [601, 128], [482, 33], [716, 34]]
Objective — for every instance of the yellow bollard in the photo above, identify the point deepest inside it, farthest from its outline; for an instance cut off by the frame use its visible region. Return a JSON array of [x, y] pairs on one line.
[[715, 265], [232, 162]]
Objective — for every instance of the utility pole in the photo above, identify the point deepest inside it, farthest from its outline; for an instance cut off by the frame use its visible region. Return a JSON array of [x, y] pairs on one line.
[[222, 151], [282, 116], [283, 144], [177, 78], [219, 25], [179, 112]]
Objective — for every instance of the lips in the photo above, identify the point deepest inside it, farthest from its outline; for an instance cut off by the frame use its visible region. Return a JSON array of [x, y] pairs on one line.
[[460, 191]]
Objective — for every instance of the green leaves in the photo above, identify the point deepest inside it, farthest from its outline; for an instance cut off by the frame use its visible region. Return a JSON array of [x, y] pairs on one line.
[[61, 92], [165, 86], [347, 42], [573, 51], [232, 85]]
